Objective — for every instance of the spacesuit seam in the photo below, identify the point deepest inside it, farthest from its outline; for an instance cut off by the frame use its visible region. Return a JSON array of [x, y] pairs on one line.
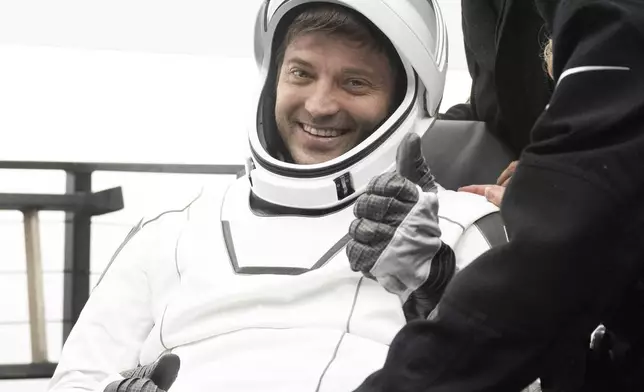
[[171, 211], [161, 329], [176, 264], [328, 365], [346, 331], [353, 305], [176, 254], [453, 221], [225, 334], [186, 209], [135, 230]]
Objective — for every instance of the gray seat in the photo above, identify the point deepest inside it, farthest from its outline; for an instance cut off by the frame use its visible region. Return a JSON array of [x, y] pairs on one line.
[[463, 153]]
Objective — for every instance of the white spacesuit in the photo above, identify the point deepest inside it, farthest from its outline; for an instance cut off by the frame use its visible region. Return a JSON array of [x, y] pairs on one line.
[[265, 299]]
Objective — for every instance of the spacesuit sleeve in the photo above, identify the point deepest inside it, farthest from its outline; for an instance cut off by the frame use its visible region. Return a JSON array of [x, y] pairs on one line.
[[479, 237], [113, 325], [574, 213]]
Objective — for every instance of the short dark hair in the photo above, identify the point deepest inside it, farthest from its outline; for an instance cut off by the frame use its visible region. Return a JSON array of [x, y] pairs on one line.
[[344, 22]]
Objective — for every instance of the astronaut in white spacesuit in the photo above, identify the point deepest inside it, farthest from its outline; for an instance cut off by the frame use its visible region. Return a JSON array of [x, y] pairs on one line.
[[266, 299]]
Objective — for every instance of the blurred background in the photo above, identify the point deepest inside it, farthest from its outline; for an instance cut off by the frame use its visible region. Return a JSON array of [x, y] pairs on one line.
[[136, 81]]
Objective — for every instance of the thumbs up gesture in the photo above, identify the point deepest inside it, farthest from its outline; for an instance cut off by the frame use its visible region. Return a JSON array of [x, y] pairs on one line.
[[395, 238]]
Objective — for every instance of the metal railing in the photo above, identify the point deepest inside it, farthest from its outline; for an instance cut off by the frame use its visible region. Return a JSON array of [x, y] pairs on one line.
[[80, 204]]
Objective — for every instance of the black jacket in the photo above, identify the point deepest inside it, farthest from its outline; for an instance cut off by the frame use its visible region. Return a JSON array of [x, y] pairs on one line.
[[504, 41], [575, 217]]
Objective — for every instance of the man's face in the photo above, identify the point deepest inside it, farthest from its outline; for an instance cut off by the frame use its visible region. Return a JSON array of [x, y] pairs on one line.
[[331, 94]]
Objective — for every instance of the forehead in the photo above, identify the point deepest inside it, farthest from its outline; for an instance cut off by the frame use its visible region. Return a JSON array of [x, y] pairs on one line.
[[329, 49]]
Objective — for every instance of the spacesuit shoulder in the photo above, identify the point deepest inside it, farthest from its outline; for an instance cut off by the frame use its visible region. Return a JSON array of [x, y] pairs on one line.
[[150, 243], [469, 224], [463, 207]]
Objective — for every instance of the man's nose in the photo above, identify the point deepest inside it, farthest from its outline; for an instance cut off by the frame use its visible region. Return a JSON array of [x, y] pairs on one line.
[[323, 100]]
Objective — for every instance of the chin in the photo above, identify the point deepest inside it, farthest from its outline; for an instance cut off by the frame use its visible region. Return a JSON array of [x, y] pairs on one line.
[[312, 160], [308, 161]]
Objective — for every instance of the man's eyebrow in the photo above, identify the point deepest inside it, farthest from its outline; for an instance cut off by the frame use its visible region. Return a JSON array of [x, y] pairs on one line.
[[359, 71], [300, 61]]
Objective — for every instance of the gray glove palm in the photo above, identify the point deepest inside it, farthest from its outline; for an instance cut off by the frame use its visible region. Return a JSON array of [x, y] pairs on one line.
[[155, 377], [395, 237]]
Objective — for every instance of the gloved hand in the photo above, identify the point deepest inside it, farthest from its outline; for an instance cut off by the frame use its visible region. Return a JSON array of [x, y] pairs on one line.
[[155, 377], [396, 239]]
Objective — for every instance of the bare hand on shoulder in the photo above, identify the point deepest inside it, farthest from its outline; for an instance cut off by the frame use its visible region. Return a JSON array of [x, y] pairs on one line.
[[493, 192]]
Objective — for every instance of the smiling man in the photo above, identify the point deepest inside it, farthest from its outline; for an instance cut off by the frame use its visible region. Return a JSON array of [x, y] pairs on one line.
[[336, 84], [265, 298]]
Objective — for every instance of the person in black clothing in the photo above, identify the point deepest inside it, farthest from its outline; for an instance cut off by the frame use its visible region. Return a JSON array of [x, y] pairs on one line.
[[504, 44], [617, 355], [574, 212]]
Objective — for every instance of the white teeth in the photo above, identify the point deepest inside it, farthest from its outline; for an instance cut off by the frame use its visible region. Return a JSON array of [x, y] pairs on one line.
[[323, 132]]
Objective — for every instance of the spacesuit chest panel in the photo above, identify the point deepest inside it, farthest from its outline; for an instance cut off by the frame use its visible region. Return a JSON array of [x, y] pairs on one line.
[[279, 245], [287, 288]]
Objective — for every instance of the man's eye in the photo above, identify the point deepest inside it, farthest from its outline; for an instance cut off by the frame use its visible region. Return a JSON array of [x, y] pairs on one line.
[[357, 86], [298, 73], [357, 83]]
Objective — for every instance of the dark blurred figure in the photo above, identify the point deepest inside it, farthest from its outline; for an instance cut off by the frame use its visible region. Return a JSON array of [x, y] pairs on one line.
[[504, 45]]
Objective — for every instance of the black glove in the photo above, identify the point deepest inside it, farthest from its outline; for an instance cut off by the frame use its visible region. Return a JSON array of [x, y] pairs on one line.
[[155, 377], [396, 239]]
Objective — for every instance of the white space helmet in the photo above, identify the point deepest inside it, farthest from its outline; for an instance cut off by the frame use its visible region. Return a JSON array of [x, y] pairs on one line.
[[417, 31]]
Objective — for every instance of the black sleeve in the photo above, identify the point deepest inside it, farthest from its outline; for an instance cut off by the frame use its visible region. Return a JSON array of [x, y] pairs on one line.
[[574, 213], [503, 42], [459, 112], [424, 299]]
